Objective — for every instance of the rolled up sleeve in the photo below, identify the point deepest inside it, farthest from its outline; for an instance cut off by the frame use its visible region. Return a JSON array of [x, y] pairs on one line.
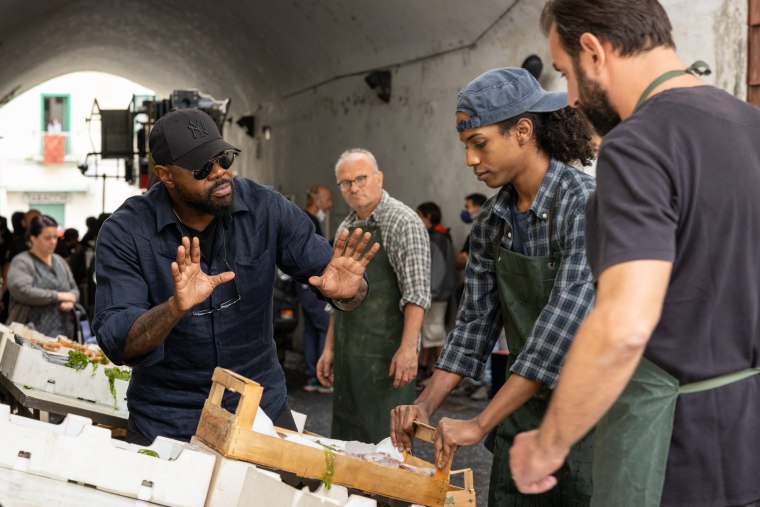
[[122, 293], [479, 319], [410, 258]]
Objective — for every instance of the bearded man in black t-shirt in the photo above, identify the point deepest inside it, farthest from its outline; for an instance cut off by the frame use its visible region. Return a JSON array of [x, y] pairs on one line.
[[668, 360]]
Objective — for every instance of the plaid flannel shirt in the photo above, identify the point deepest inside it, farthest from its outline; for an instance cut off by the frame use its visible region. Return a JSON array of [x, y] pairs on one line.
[[479, 319], [407, 244]]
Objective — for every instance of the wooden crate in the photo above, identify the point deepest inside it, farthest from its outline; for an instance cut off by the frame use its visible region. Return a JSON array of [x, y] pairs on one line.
[[233, 437]]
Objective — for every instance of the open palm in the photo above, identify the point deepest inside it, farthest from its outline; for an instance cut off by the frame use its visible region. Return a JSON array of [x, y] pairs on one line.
[[342, 276]]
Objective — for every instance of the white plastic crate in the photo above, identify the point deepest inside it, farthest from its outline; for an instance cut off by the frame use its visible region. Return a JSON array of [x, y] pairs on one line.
[[77, 451], [28, 367], [238, 484]]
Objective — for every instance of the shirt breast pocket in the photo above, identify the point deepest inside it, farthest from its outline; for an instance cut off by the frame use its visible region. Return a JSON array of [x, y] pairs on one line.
[[255, 281], [159, 277]]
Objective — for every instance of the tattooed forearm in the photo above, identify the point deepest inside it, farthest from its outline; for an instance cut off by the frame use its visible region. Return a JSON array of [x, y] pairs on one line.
[[150, 329]]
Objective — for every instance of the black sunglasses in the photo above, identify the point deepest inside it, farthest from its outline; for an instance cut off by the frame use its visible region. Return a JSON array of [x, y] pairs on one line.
[[225, 160]]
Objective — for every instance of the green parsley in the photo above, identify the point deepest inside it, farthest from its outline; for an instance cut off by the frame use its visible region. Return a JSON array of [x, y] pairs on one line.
[[327, 478], [113, 374], [77, 360]]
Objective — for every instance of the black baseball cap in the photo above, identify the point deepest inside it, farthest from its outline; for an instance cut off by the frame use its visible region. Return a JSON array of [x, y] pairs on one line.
[[186, 137]]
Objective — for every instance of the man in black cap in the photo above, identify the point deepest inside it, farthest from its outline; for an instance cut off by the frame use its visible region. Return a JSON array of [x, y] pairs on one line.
[[185, 277]]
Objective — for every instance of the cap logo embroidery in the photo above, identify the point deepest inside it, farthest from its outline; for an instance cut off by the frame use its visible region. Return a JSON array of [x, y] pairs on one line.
[[197, 128]]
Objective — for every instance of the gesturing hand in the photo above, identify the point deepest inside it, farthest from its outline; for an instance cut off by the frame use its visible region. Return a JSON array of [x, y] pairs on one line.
[[343, 275], [191, 285]]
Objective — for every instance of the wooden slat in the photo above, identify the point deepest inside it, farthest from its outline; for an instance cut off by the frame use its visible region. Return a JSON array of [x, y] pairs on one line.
[[216, 394], [754, 12], [464, 497], [348, 471], [753, 95], [426, 433], [215, 427], [250, 398], [232, 436], [231, 380], [467, 474], [753, 60]]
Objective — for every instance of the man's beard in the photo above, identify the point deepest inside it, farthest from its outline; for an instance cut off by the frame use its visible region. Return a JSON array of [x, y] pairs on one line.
[[594, 103], [208, 203]]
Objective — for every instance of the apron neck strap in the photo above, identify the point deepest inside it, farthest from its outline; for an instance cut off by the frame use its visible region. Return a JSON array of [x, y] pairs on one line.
[[698, 68]]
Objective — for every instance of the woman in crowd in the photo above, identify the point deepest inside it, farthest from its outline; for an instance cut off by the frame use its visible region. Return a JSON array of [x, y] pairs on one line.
[[42, 287]]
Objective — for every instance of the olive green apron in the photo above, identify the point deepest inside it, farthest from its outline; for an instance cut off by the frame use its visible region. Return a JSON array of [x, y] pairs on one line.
[[633, 438], [365, 341], [525, 284]]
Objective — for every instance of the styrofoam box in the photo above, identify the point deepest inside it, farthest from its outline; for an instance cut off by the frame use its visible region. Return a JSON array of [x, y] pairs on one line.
[[239, 484], [5, 334], [77, 451], [28, 367]]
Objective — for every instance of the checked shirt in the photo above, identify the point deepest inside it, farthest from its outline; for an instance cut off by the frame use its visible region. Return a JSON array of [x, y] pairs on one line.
[[479, 319]]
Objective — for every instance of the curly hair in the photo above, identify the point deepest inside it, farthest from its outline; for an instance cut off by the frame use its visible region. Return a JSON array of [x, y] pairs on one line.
[[565, 134]]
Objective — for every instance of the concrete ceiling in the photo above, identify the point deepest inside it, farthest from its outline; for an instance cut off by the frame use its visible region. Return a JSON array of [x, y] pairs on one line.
[[252, 51]]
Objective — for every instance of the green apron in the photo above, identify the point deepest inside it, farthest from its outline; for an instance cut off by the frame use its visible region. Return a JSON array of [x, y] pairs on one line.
[[525, 284], [633, 438], [365, 341]]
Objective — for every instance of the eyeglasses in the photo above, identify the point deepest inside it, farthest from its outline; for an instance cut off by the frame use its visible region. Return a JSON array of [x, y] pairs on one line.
[[225, 160], [359, 180], [230, 301]]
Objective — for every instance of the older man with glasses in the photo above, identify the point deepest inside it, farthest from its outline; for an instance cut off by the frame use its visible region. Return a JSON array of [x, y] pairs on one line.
[[185, 279], [373, 351]]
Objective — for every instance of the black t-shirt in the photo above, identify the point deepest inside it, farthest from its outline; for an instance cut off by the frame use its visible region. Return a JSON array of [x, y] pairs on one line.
[[206, 237], [680, 181], [519, 227]]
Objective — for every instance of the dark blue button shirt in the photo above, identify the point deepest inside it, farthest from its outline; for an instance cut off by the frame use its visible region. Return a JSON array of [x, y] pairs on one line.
[[135, 249]]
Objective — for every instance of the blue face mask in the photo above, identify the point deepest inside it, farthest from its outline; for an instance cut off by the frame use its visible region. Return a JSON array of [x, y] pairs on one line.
[[465, 216]]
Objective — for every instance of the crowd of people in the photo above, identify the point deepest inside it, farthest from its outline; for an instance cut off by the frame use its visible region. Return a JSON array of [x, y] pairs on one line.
[[629, 303], [46, 280]]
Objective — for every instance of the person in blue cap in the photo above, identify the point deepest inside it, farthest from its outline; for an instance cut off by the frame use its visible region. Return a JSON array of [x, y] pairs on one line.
[[667, 365], [527, 272]]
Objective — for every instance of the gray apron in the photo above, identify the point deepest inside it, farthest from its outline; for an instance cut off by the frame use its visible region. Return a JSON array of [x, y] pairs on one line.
[[365, 341], [524, 285], [633, 438]]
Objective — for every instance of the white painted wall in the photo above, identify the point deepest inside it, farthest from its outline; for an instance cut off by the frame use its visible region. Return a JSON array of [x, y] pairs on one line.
[[413, 137], [23, 176]]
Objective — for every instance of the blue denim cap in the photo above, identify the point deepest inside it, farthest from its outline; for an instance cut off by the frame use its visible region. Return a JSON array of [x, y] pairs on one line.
[[500, 94]]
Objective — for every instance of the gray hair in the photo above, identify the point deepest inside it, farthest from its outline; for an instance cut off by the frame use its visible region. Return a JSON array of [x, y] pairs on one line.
[[357, 151]]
